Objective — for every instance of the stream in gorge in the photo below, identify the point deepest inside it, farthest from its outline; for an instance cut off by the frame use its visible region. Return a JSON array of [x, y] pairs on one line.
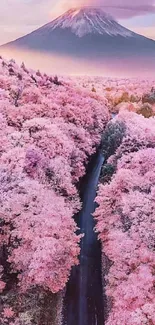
[[84, 302]]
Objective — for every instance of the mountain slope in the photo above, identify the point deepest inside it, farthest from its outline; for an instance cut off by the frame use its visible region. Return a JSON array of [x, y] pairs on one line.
[[87, 32], [88, 20]]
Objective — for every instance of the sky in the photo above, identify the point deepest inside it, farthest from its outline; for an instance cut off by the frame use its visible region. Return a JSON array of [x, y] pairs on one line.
[[19, 17]]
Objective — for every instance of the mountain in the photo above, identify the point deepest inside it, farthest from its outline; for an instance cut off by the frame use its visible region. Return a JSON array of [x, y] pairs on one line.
[[88, 20], [87, 32]]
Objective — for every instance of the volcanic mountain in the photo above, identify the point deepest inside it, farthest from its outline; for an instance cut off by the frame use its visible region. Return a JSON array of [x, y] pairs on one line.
[[87, 32]]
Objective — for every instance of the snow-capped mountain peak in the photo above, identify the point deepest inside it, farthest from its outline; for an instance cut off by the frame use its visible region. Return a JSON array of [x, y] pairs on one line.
[[88, 20], [87, 33]]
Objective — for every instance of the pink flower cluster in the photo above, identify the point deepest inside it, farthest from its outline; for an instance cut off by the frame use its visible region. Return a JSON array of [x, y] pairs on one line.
[[49, 128], [131, 94], [125, 221], [48, 132]]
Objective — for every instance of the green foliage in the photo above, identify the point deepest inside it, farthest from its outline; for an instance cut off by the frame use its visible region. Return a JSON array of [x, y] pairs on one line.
[[149, 98], [112, 138], [107, 172]]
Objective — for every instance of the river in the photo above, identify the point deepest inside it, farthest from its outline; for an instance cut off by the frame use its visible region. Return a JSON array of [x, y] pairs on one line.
[[83, 302]]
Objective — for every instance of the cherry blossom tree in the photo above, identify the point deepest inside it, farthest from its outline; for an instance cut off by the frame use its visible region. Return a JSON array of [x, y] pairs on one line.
[[49, 129], [125, 222]]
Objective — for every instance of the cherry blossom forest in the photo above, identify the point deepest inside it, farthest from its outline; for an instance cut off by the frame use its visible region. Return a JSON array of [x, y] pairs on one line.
[[50, 127]]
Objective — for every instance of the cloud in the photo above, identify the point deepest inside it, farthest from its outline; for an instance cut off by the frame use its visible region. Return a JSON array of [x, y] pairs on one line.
[[118, 8]]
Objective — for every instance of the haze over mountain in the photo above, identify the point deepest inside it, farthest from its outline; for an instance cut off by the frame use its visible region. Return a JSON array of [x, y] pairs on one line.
[[88, 33]]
